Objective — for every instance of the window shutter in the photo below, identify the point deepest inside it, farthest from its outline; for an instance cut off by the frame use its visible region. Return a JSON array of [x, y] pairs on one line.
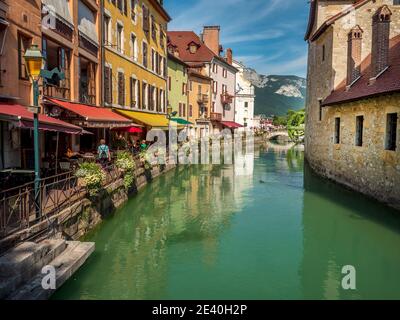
[[107, 84], [138, 104]]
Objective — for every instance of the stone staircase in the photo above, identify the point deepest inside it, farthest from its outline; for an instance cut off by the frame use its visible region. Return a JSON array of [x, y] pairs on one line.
[[21, 267]]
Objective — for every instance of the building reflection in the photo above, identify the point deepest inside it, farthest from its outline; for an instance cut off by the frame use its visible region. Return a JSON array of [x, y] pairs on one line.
[[344, 228]]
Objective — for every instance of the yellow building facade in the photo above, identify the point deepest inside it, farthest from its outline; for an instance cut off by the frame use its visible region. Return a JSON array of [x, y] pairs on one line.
[[135, 67]]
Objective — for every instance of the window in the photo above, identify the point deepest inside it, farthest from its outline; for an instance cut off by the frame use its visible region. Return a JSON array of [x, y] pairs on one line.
[[190, 110], [191, 85], [120, 5], [133, 87], [224, 88], [133, 13], [184, 109], [23, 44], [215, 87], [337, 130], [323, 53], [162, 37], [144, 96], [224, 73], [134, 49], [108, 85], [391, 131], [119, 38], [153, 62], [146, 20], [180, 109], [320, 110], [145, 54], [121, 89], [359, 130], [246, 105], [169, 83], [106, 30], [183, 88], [396, 2], [153, 29], [213, 107]]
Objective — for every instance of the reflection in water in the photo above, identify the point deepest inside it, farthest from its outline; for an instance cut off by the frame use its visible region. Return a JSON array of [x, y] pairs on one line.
[[258, 229]]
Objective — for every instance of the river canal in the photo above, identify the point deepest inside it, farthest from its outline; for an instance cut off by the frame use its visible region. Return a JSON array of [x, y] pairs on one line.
[[263, 228]]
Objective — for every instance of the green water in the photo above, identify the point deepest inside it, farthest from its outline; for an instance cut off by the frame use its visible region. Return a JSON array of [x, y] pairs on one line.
[[264, 228]]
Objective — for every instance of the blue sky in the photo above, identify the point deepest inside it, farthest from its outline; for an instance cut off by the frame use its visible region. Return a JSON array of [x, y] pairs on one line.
[[267, 35]]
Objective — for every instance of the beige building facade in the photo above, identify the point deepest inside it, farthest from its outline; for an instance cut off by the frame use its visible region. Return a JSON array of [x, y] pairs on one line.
[[353, 100]]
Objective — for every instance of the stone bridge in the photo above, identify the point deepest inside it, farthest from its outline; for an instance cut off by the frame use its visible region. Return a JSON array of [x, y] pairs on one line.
[[276, 133]]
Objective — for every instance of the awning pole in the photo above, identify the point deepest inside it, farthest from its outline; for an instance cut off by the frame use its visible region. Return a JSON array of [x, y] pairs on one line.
[[58, 136]]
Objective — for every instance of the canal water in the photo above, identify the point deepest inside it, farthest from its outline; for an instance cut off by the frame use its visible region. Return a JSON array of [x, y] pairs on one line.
[[263, 228]]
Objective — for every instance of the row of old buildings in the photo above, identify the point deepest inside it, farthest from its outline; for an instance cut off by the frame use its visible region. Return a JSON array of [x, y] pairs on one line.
[[121, 69], [353, 100]]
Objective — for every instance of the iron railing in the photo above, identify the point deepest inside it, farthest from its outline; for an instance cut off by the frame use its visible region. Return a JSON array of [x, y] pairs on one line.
[[17, 205]]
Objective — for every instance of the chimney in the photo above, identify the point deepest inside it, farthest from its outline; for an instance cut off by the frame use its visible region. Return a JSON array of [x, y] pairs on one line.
[[229, 56], [380, 41], [211, 38], [354, 55]]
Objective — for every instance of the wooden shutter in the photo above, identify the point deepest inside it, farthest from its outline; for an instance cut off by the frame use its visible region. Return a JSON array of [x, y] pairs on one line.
[[138, 102], [121, 89], [107, 96]]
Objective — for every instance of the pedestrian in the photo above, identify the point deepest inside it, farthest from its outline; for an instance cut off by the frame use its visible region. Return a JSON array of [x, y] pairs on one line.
[[103, 153]]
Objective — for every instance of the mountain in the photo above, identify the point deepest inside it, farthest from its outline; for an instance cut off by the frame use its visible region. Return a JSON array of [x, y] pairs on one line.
[[275, 95]]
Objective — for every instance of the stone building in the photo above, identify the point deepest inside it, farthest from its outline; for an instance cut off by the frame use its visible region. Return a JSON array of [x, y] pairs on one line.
[[353, 99]]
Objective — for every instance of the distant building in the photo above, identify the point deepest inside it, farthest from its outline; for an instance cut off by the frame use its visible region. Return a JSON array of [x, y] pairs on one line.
[[353, 99], [203, 54], [244, 98]]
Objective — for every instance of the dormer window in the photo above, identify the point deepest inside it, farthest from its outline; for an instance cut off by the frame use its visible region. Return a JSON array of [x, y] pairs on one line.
[[193, 47], [380, 41], [354, 55]]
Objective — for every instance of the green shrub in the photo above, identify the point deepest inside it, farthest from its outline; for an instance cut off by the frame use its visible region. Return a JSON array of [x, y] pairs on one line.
[[127, 165], [92, 175]]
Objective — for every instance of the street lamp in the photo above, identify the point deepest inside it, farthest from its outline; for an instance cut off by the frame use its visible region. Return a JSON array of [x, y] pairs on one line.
[[34, 63]]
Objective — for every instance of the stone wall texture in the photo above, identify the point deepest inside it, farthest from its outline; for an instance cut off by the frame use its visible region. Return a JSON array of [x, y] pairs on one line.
[[369, 169]]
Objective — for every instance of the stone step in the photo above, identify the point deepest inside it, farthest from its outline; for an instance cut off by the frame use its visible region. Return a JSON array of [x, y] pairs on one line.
[[21, 263], [66, 264]]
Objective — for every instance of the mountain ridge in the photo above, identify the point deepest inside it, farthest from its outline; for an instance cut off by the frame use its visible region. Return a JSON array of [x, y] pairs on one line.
[[276, 94]]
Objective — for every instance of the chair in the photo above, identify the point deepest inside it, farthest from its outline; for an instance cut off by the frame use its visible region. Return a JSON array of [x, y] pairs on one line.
[[65, 166]]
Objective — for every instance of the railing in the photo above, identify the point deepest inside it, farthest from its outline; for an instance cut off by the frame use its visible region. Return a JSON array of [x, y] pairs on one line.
[[215, 116], [202, 98], [226, 98], [56, 91], [17, 205]]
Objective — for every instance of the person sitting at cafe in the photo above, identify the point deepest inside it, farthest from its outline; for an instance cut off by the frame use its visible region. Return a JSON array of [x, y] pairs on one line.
[[103, 153]]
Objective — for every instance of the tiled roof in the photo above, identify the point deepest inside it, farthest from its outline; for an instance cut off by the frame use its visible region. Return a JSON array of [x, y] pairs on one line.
[[387, 82], [182, 39], [330, 21]]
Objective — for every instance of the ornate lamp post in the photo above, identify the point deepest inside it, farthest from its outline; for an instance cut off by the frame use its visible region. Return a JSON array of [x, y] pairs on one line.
[[34, 64]]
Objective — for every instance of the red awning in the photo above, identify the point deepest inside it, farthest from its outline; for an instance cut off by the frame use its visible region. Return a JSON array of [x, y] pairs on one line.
[[15, 112], [92, 114], [132, 129], [231, 124]]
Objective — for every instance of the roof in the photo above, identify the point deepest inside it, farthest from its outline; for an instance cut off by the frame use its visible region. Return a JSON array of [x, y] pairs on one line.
[[387, 82], [193, 73], [330, 21], [15, 112], [182, 39], [88, 112], [177, 60]]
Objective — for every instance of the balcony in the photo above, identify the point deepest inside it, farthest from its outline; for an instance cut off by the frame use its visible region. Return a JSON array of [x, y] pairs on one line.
[[215, 116], [202, 98], [226, 98], [58, 92]]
